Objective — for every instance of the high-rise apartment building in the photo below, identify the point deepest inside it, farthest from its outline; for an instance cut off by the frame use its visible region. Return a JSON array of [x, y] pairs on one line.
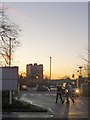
[[34, 71]]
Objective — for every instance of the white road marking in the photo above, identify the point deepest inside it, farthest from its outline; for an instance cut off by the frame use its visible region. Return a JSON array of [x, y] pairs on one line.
[[46, 94], [24, 94], [40, 94], [50, 110], [53, 94], [32, 94]]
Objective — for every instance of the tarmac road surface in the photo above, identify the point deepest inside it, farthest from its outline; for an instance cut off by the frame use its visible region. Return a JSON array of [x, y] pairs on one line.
[[79, 109]]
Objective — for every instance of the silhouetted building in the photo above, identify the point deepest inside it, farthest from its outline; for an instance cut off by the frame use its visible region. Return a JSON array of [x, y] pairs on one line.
[[34, 71]]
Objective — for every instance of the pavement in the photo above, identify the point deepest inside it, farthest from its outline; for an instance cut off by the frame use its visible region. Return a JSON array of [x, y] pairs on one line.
[[28, 115]]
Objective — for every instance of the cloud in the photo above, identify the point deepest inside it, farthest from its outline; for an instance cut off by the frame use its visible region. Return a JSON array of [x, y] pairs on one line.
[[14, 11], [17, 13]]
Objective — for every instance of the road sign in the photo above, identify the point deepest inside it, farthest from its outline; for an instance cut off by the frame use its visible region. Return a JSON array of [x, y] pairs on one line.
[[8, 78]]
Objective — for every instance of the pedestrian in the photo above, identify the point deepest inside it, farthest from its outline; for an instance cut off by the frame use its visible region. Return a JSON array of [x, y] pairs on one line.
[[68, 88], [59, 93], [36, 87]]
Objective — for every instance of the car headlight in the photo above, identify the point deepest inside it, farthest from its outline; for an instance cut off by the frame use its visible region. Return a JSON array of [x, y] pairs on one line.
[[77, 91]]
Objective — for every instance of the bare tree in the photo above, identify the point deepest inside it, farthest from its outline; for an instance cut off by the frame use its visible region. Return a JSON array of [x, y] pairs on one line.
[[86, 66], [9, 33]]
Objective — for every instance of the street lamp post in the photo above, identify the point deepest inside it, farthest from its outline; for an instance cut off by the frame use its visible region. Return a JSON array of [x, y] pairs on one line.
[[50, 68], [10, 92], [9, 52]]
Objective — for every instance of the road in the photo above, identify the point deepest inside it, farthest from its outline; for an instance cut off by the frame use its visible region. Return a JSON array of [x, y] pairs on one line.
[[79, 109]]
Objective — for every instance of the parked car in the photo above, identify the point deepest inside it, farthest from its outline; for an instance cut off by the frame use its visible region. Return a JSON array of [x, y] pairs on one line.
[[53, 88], [24, 87], [42, 88]]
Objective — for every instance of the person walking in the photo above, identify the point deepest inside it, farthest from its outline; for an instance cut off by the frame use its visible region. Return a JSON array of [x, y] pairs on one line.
[[59, 93], [68, 88]]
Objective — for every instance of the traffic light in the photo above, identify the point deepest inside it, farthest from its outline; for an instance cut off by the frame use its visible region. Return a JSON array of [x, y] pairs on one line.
[[73, 75]]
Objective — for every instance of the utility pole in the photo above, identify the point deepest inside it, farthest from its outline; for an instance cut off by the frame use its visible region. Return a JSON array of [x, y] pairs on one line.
[[50, 68]]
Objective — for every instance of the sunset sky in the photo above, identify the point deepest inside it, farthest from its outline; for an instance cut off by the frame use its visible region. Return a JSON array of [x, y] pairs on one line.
[[51, 29]]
